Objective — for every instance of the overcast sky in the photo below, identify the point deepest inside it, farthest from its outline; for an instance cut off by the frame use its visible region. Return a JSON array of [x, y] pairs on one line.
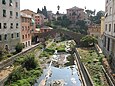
[[64, 4]]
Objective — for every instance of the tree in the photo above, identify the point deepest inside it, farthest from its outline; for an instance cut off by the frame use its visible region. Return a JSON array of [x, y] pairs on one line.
[[98, 16], [89, 12], [88, 41], [30, 62], [19, 47], [82, 28], [44, 11], [39, 11]]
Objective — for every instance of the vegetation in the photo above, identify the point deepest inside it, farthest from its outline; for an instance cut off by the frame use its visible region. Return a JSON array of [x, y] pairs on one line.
[[93, 64], [63, 22], [88, 41], [26, 73], [4, 54], [60, 47], [96, 19], [19, 47]]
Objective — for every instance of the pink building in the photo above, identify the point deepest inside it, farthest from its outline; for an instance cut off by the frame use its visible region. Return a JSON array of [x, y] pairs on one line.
[[26, 29], [75, 14], [39, 20]]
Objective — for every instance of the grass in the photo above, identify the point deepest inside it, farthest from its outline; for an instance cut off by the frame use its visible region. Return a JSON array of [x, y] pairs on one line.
[[5, 56], [93, 64]]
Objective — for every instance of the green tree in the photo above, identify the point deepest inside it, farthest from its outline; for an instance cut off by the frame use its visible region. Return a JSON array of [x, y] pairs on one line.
[[44, 11], [88, 41], [30, 62], [19, 47], [97, 18], [82, 28]]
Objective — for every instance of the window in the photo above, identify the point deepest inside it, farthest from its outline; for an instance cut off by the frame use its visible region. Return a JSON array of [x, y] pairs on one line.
[[26, 36], [16, 14], [10, 4], [16, 25], [32, 15], [3, 2], [17, 34], [4, 13], [22, 19], [114, 27], [109, 27], [16, 4], [11, 14], [110, 11], [22, 36], [5, 25], [0, 38], [5, 37], [108, 46], [11, 25], [12, 35], [0, 25], [106, 27]]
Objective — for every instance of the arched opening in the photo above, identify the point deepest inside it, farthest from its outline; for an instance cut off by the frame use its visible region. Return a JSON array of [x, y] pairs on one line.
[[6, 47]]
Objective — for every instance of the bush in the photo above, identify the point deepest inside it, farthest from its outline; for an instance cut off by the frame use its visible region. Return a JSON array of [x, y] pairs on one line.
[[19, 47], [30, 62]]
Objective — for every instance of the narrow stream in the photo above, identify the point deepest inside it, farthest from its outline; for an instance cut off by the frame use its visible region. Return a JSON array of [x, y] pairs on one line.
[[59, 74]]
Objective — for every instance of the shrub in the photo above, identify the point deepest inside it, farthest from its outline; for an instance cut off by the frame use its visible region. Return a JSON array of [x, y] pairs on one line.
[[19, 47], [30, 62]]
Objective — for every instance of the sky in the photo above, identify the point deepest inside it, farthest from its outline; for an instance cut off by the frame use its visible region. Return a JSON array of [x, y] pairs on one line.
[[51, 5]]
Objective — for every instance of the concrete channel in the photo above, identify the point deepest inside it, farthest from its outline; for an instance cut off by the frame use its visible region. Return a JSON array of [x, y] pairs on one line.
[[86, 80]]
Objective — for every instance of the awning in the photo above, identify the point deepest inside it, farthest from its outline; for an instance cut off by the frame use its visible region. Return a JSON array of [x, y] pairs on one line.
[[33, 22]]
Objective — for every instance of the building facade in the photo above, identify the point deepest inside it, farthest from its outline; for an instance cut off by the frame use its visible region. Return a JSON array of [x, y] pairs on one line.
[[32, 14], [9, 24], [39, 20], [75, 14], [94, 30], [109, 31], [26, 29]]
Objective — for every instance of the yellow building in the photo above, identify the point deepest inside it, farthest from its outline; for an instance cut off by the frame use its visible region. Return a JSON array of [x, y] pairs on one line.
[[102, 25]]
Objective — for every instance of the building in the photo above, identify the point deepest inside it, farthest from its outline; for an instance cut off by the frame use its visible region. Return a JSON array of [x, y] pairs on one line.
[[9, 24], [94, 30], [102, 25], [32, 14], [50, 15], [75, 14], [109, 32], [26, 28], [39, 20], [56, 16], [45, 29]]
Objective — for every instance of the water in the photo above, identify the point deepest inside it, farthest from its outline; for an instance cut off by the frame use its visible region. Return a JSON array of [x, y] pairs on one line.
[[67, 74]]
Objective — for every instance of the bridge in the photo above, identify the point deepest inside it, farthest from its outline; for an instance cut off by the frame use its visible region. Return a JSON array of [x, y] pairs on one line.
[[68, 34]]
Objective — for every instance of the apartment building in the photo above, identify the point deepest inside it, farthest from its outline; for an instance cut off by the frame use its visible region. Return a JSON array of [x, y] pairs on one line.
[[109, 31], [9, 24], [32, 14], [75, 14], [39, 20], [26, 29]]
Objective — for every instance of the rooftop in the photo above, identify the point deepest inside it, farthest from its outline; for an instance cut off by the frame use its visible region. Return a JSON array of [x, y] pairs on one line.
[[77, 8], [25, 15]]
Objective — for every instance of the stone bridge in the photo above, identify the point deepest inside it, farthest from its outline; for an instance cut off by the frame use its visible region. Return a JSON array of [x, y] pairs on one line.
[[71, 35]]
